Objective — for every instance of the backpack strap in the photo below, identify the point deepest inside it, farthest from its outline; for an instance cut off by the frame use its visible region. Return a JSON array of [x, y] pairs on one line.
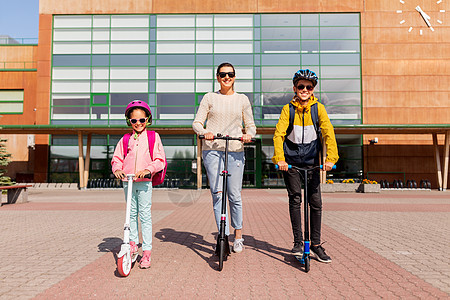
[[151, 142], [314, 116], [315, 120], [126, 139], [291, 119]]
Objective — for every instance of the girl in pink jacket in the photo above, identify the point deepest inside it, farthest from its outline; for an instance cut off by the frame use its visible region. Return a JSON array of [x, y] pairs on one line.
[[138, 161]]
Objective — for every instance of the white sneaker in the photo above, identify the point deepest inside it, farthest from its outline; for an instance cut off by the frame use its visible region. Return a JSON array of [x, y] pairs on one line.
[[238, 245]]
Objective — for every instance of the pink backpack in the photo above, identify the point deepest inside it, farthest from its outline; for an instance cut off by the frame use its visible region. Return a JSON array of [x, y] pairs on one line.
[[157, 178]]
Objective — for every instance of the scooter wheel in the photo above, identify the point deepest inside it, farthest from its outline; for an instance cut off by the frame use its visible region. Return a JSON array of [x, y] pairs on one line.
[[124, 265], [307, 264], [221, 253]]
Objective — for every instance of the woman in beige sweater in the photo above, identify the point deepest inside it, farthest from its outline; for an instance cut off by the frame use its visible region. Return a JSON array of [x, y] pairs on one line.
[[225, 111]]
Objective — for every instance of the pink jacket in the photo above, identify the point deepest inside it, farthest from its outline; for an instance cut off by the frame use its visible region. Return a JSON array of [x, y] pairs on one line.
[[138, 157]]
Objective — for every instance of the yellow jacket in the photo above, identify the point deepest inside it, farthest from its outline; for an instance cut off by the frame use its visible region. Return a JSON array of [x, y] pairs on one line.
[[303, 131]]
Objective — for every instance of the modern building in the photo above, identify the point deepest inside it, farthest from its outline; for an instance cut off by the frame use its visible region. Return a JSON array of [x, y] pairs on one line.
[[383, 66]]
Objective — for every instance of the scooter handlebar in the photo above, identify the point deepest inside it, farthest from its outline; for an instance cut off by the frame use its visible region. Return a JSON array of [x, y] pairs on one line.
[[148, 176], [226, 137], [321, 167]]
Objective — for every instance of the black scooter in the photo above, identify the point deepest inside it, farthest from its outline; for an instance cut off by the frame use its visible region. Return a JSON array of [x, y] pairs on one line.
[[223, 246], [305, 259]]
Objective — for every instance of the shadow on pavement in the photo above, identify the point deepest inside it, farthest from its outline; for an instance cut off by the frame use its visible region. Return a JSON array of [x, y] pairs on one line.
[[205, 250], [193, 241], [110, 244], [277, 253]]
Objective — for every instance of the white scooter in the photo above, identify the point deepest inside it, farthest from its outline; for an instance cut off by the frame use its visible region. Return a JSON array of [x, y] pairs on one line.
[[125, 259]]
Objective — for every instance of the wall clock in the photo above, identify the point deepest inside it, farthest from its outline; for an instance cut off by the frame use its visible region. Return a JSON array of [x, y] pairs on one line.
[[421, 18]]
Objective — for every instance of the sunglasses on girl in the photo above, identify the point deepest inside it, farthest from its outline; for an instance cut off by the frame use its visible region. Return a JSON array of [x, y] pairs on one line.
[[223, 74], [308, 87], [141, 120]]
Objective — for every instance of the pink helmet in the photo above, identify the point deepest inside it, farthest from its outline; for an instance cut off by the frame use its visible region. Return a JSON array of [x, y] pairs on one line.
[[138, 104]]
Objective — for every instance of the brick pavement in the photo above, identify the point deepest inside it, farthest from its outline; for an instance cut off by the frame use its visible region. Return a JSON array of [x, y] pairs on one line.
[[375, 241]]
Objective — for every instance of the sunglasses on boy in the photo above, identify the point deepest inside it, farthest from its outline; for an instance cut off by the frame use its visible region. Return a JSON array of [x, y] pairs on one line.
[[141, 120], [223, 74], [308, 87]]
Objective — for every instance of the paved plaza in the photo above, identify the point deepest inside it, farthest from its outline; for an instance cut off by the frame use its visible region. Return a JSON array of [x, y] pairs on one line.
[[62, 244]]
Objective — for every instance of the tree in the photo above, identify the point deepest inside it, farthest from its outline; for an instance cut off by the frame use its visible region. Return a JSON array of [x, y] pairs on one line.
[[4, 161]]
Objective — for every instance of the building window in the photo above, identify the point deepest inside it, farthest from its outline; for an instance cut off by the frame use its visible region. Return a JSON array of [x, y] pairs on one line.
[[102, 62], [172, 56], [11, 101]]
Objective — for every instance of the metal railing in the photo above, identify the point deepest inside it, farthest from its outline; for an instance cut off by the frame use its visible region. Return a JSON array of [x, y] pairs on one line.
[[7, 40]]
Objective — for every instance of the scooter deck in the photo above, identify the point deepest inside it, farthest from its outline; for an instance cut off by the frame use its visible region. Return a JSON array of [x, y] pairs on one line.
[[299, 258]]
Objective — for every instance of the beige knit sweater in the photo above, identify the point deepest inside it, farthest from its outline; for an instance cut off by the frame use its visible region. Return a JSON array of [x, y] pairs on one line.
[[225, 114]]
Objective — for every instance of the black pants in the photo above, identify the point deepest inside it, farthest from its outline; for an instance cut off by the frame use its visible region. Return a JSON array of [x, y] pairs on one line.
[[293, 180]]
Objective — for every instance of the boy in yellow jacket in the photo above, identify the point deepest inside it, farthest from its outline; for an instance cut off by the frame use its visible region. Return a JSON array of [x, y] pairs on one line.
[[298, 144]]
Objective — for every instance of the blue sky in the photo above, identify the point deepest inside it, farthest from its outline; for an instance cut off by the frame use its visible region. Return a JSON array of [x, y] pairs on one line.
[[19, 18]]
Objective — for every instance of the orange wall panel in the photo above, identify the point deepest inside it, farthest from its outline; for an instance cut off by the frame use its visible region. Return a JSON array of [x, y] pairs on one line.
[[390, 67], [44, 70], [11, 80], [45, 36], [17, 146], [412, 18], [17, 53], [389, 5], [405, 51], [309, 6], [205, 6], [45, 20], [397, 35], [189, 6], [42, 108], [25, 81], [98, 7], [404, 139], [405, 115], [406, 83], [119, 6], [412, 98], [405, 75], [196, 6]]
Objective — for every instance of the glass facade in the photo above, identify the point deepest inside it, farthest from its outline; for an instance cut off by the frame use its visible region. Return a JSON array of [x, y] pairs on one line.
[[101, 62]]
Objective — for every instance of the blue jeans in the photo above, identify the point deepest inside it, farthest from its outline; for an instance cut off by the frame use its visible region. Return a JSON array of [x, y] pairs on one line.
[[214, 164], [141, 203]]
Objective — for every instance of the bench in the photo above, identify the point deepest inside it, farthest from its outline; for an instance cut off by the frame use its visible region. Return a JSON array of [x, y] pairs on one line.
[[16, 193]]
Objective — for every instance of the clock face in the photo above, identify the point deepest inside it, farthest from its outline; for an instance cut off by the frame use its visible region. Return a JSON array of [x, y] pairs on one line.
[[421, 16]]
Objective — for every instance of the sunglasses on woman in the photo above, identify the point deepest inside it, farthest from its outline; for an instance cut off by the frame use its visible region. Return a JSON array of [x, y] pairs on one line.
[[308, 87], [223, 74], [141, 120]]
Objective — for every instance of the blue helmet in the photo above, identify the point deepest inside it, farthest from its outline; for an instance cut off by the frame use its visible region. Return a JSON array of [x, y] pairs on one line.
[[306, 75]]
